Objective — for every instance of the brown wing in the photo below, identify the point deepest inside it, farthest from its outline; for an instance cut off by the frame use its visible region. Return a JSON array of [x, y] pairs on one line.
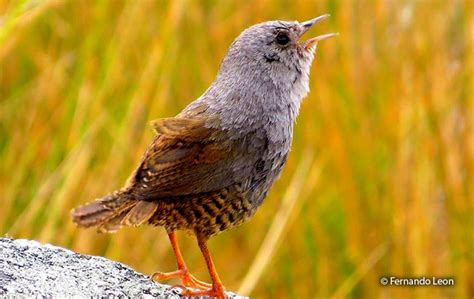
[[188, 158]]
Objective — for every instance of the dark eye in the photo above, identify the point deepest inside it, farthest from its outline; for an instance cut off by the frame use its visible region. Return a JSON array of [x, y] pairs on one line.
[[282, 39]]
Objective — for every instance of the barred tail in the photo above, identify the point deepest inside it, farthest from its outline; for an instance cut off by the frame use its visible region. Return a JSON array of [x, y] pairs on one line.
[[113, 211]]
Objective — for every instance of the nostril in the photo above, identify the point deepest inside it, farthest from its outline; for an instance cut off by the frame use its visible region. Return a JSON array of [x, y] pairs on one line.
[[307, 25]]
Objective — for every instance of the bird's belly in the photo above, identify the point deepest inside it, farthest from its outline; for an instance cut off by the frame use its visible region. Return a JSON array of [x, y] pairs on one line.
[[205, 214]]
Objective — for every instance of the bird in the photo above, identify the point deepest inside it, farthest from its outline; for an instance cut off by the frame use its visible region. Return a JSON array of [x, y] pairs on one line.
[[211, 166]]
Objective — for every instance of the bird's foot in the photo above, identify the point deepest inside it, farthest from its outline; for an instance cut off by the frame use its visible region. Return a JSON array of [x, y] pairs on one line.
[[187, 279], [216, 291]]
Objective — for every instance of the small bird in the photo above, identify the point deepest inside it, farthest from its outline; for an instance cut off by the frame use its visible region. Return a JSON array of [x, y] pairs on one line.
[[210, 167]]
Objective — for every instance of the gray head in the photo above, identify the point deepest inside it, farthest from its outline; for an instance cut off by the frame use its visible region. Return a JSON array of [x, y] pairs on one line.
[[264, 73], [273, 53]]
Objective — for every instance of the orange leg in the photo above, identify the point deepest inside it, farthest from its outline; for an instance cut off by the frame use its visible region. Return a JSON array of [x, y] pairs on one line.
[[217, 289], [187, 279]]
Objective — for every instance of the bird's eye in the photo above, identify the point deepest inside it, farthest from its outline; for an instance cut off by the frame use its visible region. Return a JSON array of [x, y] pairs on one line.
[[282, 39]]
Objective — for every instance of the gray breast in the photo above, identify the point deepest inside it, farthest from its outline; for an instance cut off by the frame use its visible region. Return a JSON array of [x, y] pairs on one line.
[[272, 155]]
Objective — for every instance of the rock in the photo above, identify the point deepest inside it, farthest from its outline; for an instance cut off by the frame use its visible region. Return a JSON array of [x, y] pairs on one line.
[[28, 268]]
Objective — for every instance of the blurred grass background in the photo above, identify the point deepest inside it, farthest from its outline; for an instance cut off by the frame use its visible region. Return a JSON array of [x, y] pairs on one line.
[[379, 180]]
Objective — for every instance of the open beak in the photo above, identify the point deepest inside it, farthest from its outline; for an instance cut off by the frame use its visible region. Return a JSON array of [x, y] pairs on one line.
[[305, 26]]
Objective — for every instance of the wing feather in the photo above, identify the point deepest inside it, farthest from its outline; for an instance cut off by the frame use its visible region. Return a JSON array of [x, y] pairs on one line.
[[186, 157]]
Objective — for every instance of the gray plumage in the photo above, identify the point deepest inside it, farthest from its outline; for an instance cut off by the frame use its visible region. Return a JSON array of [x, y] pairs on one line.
[[256, 97], [231, 143], [210, 167]]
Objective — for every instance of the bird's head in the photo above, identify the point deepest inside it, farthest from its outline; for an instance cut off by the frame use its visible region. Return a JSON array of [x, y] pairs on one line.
[[274, 53], [263, 77]]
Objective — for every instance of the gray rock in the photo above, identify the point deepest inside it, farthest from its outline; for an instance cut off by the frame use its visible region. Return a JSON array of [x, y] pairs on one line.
[[28, 268]]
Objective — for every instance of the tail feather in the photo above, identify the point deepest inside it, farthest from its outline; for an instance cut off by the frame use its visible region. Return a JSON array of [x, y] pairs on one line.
[[103, 210], [113, 211], [140, 213], [91, 214], [113, 224]]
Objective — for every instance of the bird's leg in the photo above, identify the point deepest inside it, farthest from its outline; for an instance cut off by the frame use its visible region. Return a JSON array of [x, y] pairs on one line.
[[217, 289], [187, 279]]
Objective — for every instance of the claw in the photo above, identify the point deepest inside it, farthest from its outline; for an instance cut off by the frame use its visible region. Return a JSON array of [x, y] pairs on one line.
[[187, 279], [215, 292]]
